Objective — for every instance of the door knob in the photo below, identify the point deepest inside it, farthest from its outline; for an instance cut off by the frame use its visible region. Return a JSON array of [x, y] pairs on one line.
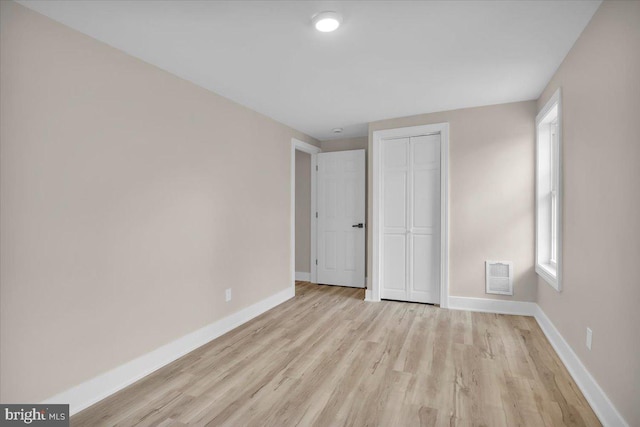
[[360, 225]]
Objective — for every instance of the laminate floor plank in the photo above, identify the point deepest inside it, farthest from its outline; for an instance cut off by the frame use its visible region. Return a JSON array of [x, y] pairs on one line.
[[328, 358]]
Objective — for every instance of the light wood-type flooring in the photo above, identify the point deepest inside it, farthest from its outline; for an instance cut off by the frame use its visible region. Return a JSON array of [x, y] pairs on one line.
[[327, 358]]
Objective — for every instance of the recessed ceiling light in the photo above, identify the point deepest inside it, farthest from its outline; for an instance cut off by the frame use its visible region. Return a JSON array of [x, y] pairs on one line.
[[336, 130], [327, 21]]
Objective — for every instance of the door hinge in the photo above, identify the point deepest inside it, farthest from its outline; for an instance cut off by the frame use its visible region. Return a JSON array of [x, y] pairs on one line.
[[316, 168], [316, 214], [316, 262]]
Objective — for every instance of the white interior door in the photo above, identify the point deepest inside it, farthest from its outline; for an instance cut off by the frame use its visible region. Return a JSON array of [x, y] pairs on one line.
[[341, 213], [411, 219]]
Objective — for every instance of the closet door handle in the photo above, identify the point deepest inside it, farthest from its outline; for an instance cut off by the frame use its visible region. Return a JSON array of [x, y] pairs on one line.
[[360, 225]]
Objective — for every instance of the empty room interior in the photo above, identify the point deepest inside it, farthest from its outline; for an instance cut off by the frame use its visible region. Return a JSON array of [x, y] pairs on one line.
[[320, 213]]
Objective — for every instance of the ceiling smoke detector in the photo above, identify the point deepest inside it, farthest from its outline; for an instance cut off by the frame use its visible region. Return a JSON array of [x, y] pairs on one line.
[[336, 130], [327, 22]]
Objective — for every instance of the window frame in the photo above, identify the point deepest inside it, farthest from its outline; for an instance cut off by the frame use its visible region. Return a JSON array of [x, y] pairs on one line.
[[554, 137], [548, 192]]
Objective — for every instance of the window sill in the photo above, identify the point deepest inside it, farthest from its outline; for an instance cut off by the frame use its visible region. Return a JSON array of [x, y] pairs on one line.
[[549, 274]]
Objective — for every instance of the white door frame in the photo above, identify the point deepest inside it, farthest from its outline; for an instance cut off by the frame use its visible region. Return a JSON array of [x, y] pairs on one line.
[[312, 150], [373, 294]]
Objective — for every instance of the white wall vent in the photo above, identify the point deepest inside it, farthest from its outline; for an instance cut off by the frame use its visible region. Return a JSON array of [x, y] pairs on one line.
[[499, 277]]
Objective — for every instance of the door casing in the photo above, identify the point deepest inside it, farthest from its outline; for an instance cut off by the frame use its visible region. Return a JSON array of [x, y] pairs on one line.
[[305, 147], [373, 288]]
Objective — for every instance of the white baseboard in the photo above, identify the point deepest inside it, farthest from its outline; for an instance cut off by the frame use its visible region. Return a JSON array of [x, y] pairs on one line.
[[600, 403], [301, 275], [368, 296], [487, 305], [98, 388]]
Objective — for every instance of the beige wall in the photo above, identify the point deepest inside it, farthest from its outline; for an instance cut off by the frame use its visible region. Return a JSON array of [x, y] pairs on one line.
[[130, 199], [345, 144], [491, 193], [600, 81], [123, 206], [303, 212]]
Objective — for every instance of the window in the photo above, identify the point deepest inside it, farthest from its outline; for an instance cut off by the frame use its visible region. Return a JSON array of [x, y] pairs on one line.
[[549, 192], [553, 131]]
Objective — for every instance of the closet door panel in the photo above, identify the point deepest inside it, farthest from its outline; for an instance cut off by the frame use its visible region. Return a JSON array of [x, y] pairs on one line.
[[395, 260], [411, 219], [395, 181], [424, 257], [426, 188]]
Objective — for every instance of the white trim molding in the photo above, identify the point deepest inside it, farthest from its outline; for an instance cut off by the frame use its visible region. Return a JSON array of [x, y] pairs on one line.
[[498, 306], [305, 147], [303, 276], [443, 129], [548, 170], [599, 401], [368, 296], [92, 391]]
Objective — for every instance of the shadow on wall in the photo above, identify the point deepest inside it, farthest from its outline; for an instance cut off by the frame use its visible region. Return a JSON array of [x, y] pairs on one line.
[[495, 212]]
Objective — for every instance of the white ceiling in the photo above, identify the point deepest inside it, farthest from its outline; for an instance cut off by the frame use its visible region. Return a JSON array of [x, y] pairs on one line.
[[388, 59]]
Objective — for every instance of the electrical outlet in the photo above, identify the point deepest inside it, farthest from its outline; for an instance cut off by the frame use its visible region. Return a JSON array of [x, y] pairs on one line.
[[227, 295], [589, 338]]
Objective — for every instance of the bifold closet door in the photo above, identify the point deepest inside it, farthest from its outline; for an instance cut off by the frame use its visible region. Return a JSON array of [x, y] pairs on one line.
[[411, 219]]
